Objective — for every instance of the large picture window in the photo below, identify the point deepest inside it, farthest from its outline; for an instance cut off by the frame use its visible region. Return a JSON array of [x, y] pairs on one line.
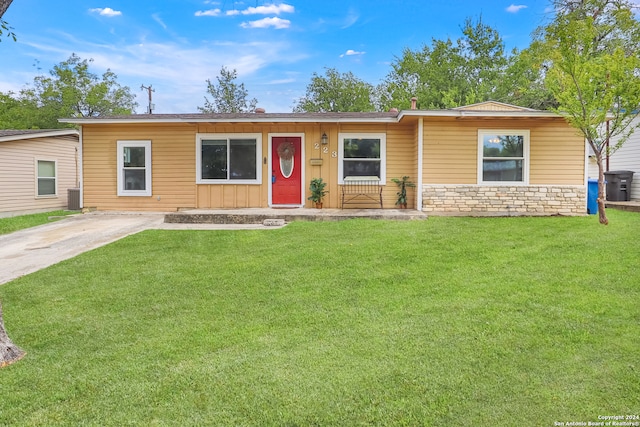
[[47, 178], [503, 156], [362, 155], [228, 159], [134, 168]]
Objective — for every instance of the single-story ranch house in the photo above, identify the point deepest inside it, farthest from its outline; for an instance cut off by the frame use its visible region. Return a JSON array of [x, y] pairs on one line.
[[37, 168], [482, 159]]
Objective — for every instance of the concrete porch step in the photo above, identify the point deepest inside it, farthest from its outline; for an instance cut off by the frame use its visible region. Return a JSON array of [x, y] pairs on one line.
[[260, 215], [632, 206]]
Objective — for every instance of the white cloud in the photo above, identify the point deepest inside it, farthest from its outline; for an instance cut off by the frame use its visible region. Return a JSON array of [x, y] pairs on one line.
[[351, 18], [270, 9], [276, 23], [515, 8], [159, 20], [210, 12], [351, 52], [107, 11], [177, 71]]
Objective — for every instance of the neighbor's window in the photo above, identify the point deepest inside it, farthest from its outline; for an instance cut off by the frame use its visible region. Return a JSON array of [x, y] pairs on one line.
[[134, 168], [503, 156], [47, 181], [228, 159], [362, 155]]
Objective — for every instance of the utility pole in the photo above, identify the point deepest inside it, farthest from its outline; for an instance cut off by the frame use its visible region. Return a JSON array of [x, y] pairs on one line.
[[149, 90]]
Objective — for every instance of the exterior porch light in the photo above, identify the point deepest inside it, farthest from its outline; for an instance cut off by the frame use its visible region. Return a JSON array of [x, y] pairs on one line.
[[324, 138]]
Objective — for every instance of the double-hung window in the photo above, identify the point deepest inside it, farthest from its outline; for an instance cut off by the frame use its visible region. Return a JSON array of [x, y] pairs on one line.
[[503, 156], [47, 182], [362, 155], [134, 168], [228, 158]]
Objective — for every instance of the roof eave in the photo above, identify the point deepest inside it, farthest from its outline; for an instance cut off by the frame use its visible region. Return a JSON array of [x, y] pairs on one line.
[[84, 121], [46, 134], [477, 114]]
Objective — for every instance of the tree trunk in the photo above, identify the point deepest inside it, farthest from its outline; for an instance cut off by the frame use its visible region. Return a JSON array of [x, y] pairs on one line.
[[4, 5], [9, 352], [602, 214]]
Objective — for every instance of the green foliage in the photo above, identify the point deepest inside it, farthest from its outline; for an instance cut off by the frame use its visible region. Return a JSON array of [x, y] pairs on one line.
[[402, 183], [227, 96], [591, 49], [15, 223], [71, 90], [317, 189], [6, 30], [449, 74], [336, 92], [444, 322]]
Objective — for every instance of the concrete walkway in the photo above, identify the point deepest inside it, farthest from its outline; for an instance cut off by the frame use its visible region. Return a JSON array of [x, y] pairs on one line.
[[30, 250]]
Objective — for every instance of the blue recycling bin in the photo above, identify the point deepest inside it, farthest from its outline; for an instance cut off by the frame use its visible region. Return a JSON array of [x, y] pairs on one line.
[[592, 197]]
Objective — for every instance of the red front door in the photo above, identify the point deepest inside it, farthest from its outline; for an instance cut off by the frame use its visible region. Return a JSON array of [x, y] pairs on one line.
[[286, 170]]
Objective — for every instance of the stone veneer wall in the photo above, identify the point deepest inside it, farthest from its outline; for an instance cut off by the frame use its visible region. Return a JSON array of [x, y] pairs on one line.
[[493, 200]]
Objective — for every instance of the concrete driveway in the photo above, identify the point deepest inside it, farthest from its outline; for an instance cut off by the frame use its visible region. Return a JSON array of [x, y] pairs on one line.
[[30, 250]]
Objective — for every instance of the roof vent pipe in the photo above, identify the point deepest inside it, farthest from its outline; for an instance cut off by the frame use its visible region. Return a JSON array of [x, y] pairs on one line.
[[414, 101]]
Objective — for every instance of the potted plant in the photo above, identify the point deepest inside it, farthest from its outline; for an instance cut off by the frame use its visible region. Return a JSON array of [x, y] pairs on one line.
[[318, 192], [402, 184]]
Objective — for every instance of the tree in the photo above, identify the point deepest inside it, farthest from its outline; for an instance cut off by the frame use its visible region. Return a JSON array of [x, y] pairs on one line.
[[449, 74], [227, 96], [592, 50], [4, 5], [70, 90], [4, 25], [336, 92], [9, 352]]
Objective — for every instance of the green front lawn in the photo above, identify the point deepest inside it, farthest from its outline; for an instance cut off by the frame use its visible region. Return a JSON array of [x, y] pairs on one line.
[[444, 322], [15, 223]]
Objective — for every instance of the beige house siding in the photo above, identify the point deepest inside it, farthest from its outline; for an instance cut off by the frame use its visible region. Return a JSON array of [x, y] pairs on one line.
[[556, 159], [451, 150], [172, 166], [627, 158], [557, 154], [556, 170], [18, 174], [174, 170]]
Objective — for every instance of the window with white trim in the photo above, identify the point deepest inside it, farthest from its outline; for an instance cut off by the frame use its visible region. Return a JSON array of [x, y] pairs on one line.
[[362, 155], [134, 168], [46, 179], [503, 156], [228, 158]]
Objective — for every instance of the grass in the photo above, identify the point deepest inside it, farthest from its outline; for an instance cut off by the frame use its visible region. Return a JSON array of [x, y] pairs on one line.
[[15, 223], [450, 321]]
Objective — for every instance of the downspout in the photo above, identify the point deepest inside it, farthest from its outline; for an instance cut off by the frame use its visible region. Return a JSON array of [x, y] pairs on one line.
[[420, 161], [79, 170]]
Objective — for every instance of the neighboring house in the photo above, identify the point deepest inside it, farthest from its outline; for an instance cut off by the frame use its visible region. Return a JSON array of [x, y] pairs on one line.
[[37, 167], [483, 159], [628, 158]]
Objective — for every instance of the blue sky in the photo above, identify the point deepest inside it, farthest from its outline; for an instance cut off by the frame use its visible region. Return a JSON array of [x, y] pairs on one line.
[[175, 45]]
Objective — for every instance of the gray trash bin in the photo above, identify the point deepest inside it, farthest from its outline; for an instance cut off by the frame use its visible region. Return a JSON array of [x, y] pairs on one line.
[[619, 185], [73, 199]]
